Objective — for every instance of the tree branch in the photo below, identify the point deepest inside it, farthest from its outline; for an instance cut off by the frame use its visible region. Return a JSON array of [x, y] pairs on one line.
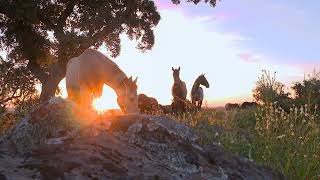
[[65, 14], [11, 97], [99, 35], [130, 9], [4, 4], [37, 71], [46, 21]]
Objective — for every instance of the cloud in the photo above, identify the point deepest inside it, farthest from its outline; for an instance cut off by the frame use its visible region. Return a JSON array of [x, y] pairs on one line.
[[224, 16], [280, 29], [307, 66], [249, 57], [165, 4]]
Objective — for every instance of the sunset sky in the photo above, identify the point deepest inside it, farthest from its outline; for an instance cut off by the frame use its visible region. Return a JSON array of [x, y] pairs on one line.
[[230, 43]]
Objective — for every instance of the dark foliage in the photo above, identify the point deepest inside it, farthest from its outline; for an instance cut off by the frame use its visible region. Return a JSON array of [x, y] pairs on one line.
[[17, 84], [308, 90]]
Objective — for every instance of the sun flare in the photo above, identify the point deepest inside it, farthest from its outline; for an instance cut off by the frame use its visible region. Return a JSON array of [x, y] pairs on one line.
[[107, 101]]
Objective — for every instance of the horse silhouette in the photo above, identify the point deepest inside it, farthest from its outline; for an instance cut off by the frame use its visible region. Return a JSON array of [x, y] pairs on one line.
[[197, 91], [179, 92]]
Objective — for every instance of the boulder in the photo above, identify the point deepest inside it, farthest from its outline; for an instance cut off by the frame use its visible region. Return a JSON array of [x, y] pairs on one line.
[[58, 140]]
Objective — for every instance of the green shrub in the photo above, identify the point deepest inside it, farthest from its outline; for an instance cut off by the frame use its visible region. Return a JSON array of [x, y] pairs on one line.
[[242, 118]]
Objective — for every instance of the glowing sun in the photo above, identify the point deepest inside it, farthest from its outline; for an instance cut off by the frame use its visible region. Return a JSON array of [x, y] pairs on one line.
[[107, 101]]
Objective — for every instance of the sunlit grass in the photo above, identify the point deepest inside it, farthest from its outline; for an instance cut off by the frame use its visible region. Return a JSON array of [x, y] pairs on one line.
[[286, 141]]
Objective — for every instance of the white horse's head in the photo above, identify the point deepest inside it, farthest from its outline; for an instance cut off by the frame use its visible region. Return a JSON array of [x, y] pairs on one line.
[[128, 96]]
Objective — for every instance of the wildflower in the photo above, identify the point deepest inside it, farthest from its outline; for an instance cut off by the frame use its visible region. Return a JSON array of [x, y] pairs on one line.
[[304, 121], [301, 110], [292, 133], [281, 136], [306, 105]]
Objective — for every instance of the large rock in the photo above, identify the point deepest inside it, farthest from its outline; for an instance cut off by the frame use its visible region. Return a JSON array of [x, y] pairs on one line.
[[59, 141]]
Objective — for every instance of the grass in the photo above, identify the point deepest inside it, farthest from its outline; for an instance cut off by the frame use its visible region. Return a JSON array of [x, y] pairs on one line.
[[286, 141]]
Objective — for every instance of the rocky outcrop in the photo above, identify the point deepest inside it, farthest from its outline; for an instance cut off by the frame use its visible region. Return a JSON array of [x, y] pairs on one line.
[[55, 142]]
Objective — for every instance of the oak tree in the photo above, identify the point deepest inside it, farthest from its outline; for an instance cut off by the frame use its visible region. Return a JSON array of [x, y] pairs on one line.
[[45, 34]]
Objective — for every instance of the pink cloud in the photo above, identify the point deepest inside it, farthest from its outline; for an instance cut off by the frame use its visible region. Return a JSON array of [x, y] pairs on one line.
[[308, 67], [164, 4], [248, 57], [224, 16]]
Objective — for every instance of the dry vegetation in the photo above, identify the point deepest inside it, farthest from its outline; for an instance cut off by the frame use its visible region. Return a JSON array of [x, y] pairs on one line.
[[286, 141]]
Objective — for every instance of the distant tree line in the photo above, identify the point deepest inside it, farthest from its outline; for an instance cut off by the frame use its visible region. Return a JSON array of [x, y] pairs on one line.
[[270, 91]]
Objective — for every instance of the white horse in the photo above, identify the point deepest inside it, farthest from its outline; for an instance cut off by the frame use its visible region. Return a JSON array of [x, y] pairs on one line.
[[87, 73]]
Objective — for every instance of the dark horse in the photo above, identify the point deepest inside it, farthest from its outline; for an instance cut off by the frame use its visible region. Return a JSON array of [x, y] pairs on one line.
[[197, 91], [179, 92]]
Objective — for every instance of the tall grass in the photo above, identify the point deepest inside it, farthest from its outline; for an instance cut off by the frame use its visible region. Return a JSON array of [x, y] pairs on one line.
[[286, 141]]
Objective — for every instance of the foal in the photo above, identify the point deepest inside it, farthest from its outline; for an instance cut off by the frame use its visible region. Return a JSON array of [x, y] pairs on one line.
[[179, 92], [197, 91]]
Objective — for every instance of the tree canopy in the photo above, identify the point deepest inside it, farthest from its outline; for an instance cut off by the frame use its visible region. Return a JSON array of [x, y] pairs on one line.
[[45, 34], [269, 90], [308, 90], [16, 84]]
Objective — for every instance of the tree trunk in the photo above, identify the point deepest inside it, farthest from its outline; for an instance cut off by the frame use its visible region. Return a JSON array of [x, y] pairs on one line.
[[50, 85]]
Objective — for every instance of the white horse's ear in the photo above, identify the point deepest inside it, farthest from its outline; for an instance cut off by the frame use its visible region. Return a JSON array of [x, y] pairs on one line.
[[135, 81]]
